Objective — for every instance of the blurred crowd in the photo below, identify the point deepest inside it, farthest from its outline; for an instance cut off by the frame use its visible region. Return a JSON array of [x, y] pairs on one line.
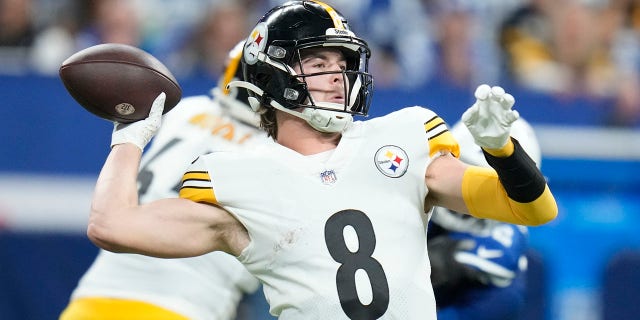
[[568, 48]]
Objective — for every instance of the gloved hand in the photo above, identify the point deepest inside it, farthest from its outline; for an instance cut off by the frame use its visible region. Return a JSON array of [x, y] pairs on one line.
[[489, 119], [140, 132], [448, 276]]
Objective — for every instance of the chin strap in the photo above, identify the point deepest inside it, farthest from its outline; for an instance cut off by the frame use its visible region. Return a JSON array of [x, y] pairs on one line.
[[321, 120], [326, 120]]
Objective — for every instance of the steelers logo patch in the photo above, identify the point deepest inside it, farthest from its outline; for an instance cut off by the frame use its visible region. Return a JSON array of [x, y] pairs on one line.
[[256, 43], [392, 161]]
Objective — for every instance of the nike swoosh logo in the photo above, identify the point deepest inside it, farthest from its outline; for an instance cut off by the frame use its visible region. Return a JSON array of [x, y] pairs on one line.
[[485, 253]]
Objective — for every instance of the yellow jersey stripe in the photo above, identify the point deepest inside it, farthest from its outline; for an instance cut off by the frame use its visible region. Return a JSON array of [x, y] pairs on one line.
[[196, 187], [199, 194], [196, 175], [440, 138], [433, 123]]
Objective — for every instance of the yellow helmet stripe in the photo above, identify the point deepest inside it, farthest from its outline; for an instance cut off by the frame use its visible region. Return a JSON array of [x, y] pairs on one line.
[[232, 67], [337, 21]]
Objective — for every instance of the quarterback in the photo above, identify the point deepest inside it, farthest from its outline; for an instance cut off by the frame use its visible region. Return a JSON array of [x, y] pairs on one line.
[[331, 215]]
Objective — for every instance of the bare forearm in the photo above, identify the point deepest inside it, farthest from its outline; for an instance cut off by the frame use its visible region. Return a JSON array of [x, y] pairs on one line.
[[115, 191], [170, 228], [116, 186]]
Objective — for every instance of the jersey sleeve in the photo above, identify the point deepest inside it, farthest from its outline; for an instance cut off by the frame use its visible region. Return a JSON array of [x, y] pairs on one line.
[[196, 183], [439, 137], [422, 123]]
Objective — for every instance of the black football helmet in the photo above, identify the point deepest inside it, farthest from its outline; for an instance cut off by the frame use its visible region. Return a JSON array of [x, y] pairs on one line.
[[274, 46], [234, 99]]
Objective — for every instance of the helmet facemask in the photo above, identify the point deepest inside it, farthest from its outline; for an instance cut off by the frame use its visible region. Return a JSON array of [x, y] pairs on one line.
[[288, 90], [274, 49], [358, 82], [327, 116]]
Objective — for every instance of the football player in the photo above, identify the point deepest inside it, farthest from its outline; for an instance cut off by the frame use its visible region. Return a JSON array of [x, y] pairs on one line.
[[477, 265], [132, 286], [331, 214]]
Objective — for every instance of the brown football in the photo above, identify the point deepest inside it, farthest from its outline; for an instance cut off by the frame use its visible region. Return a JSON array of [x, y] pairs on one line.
[[118, 82]]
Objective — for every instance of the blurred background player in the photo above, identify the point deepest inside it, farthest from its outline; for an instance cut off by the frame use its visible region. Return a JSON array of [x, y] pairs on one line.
[[131, 286], [478, 266]]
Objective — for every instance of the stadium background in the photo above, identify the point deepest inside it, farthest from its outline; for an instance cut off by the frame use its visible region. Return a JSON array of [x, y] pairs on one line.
[[585, 265]]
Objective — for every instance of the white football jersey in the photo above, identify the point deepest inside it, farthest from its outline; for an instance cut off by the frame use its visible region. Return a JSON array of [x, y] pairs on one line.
[[205, 287], [341, 234]]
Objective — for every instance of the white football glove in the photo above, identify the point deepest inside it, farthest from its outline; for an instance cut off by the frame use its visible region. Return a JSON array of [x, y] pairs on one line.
[[140, 132], [489, 119]]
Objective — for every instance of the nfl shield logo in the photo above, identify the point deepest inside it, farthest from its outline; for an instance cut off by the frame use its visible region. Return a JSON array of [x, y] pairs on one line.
[[328, 177]]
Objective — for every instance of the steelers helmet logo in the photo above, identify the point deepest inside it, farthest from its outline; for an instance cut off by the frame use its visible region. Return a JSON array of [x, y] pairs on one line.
[[392, 161], [256, 43]]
